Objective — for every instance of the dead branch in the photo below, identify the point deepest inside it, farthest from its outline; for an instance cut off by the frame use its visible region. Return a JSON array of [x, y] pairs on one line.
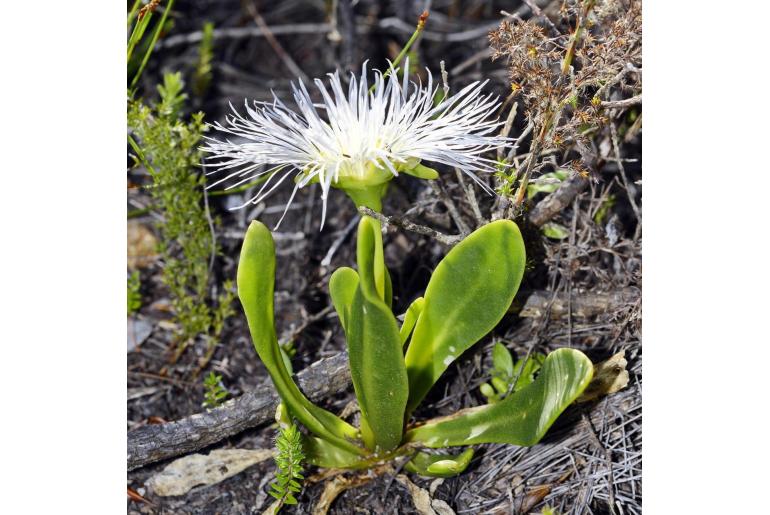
[[245, 32], [470, 196], [397, 25], [156, 442], [322, 379], [554, 203], [387, 24], [451, 207], [411, 226], [273, 42], [626, 102]]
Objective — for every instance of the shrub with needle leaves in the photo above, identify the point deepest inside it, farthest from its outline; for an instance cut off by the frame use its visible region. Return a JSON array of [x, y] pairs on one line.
[[202, 75], [168, 148], [134, 301], [289, 462], [564, 71], [215, 393]]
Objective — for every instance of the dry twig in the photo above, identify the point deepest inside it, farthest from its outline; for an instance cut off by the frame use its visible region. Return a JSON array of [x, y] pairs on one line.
[[411, 226]]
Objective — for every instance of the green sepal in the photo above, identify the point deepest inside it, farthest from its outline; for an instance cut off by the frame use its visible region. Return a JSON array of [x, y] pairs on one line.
[[523, 417], [375, 350], [439, 465], [370, 196], [256, 283], [421, 172], [410, 319], [468, 294]]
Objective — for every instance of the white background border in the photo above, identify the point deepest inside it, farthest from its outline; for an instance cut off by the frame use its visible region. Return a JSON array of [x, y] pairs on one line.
[[706, 205]]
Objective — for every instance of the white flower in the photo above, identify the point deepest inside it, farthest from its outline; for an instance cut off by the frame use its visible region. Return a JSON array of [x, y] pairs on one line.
[[363, 139]]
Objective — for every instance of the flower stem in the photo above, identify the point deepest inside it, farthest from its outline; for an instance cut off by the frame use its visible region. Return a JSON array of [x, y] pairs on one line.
[[370, 197], [416, 34]]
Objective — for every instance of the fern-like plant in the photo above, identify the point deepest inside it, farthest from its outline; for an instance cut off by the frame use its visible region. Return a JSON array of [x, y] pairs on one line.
[[288, 460]]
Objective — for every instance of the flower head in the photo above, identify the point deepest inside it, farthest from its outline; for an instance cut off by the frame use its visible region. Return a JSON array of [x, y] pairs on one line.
[[361, 141]]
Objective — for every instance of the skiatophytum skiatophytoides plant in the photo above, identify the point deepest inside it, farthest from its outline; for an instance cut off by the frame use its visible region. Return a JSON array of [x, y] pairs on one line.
[[393, 366]]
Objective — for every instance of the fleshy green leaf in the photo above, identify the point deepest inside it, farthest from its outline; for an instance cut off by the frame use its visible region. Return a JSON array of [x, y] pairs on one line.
[[604, 209], [439, 465], [342, 287], [488, 392], [500, 385], [286, 360], [388, 296], [256, 282], [523, 417], [555, 231], [410, 318], [547, 183], [321, 453], [371, 256], [468, 294], [375, 351], [502, 360]]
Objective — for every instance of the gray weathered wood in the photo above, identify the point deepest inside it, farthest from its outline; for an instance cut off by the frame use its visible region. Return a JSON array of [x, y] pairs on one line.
[[156, 442], [326, 377], [584, 304], [555, 203]]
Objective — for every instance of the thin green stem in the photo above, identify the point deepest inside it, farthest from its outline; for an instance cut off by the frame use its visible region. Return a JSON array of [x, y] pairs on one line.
[[132, 12], [533, 155], [137, 33], [155, 36], [402, 54], [135, 147], [579, 26]]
